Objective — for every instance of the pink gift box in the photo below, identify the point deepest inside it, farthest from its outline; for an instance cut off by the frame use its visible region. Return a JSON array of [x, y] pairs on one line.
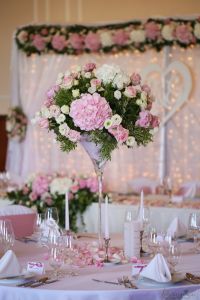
[[23, 222]]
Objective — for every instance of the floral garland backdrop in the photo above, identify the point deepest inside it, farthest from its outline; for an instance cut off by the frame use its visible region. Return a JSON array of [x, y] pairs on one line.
[[134, 35], [44, 191]]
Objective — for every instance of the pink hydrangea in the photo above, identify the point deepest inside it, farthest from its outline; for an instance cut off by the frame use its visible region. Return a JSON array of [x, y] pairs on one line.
[[92, 184], [73, 135], [38, 42], [82, 183], [119, 132], [120, 37], [183, 34], [152, 30], [77, 41], [90, 112], [89, 67], [58, 42], [40, 185], [135, 78], [43, 123], [144, 120], [92, 41]]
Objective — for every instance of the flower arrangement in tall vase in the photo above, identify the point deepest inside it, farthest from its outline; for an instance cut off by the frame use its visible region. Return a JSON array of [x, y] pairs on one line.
[[101, 108]]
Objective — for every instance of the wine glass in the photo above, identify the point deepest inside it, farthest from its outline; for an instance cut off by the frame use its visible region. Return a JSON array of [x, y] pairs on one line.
[[52, 213], [7, 236], [56, 259], [173, 256], [194, 227]]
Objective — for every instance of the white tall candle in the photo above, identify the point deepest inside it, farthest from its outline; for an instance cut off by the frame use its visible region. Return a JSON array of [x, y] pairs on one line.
[[141, 209], [106, 232], [66, 212]]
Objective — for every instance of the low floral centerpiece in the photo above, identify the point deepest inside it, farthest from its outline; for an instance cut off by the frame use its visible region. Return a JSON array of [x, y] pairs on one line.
[[101, 108], [42, 191], [16, 124]]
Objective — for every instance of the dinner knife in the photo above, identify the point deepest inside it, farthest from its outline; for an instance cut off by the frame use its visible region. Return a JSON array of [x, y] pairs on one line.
[[105, 281]]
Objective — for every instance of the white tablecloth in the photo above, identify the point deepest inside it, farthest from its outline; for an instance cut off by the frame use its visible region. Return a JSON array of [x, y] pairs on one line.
[[83, 288], [159, 216]]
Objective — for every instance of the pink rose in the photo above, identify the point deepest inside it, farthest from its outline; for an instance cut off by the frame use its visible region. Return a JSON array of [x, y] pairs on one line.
[[146, 88], [95, 82], [90, 112], [74, 189], [38, 42], [25, 190], [120, 37], [89, 67], [48, 201], [144, 120], [58, 42], [155, 121], [51, 92], [68, 80], [92, 41], [183, 34], [54, 110], [43, 123], [152, 30], [33, 196], [130, 91], [44, 31], [135, 78], [77, 41], [120, 133], [73, 135]]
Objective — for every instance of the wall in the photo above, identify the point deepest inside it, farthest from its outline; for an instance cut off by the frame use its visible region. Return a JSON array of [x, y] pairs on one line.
[[14, 13]]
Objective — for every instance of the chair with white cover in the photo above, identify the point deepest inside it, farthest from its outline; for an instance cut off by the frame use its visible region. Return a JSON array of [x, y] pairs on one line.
[[147, 185], [190, 189]]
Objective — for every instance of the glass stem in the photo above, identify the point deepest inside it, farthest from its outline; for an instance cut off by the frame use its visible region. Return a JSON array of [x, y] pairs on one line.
[[99, 173]]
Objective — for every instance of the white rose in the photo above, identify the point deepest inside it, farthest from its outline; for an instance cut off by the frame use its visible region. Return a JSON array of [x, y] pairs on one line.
[[116, 120], [76, 82], [59, 81], [130, 141], [153, 131], [167, 32], [87, 75], [197, 30], [137, 36], [65, 109], [60, 119], [92, 89], [141, 103], [75, 93], [45, 112], [60, 185], [121, 79], [143, 96], [106, 39], [117, 95], [67, 74], [22, 36], [108, 123], [60, 76], [64, 129]]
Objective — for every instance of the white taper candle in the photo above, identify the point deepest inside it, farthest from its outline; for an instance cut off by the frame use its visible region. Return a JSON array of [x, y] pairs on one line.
[[106, 232], [66, 211]]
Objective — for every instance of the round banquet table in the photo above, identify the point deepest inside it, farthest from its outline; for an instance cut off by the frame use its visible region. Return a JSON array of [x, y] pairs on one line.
[[82, 287]]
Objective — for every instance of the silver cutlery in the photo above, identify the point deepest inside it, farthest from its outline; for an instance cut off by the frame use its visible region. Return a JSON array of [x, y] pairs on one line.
[[105, 281], [30, 282], [43, 283]]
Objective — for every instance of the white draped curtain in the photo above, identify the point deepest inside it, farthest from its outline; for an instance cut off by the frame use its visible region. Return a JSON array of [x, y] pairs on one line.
[[33, 75]]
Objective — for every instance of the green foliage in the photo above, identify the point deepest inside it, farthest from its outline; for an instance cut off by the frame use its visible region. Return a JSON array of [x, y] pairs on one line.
[[63, 97]]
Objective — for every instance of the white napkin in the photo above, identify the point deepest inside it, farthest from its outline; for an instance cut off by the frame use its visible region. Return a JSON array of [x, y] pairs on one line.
[[176, 228], [157, 270], [9, 265]]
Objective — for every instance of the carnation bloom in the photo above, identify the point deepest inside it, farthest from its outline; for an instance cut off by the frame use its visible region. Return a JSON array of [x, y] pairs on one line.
[[183, 34], [58, 42], [144, 120], [90, 111], [38, 42], [40, 185], [152, 30], [119, 132], [120, 37], [92, 41], [77, 41]]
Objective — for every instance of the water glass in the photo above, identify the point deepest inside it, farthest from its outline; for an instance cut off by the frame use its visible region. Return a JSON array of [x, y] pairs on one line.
[[194, 228], [7, 237], [52, 213], [173, 257], [56, 259]]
